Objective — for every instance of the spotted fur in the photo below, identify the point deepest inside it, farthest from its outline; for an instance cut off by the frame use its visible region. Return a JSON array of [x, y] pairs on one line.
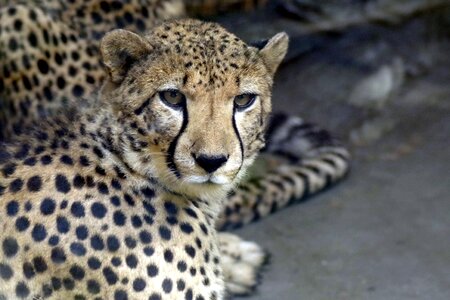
[[49, 59], [110, 202]]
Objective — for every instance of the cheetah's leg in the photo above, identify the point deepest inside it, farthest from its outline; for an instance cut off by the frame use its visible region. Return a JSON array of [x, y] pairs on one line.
[[300, 160], [241, 263]]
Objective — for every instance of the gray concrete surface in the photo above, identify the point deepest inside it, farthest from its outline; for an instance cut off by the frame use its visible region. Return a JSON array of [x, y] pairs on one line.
[[384, 233]]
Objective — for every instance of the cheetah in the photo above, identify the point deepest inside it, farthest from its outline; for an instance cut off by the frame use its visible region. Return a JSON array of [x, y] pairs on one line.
[[49, 58], [299, 159], [120, 200]]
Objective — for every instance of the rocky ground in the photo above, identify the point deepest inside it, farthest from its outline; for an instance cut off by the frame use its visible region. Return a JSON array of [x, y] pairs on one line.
[[384, 88]]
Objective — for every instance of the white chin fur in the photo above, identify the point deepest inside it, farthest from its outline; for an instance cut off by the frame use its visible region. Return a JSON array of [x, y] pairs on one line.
[[217, 179]]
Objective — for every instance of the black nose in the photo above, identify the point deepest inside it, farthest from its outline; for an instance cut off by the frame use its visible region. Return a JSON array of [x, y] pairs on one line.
[[210, 163]]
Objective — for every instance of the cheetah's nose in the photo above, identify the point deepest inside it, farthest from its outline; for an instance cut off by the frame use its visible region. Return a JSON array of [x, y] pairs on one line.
[[210, 163]]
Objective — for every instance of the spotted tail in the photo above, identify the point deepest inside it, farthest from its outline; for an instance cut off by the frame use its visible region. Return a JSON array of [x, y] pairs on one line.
[[300, 160]]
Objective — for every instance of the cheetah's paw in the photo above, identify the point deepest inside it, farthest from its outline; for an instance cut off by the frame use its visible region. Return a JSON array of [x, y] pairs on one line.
[[241, 263]]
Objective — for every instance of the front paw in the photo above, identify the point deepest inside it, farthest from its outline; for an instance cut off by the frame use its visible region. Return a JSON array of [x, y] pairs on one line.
[[241, 263]]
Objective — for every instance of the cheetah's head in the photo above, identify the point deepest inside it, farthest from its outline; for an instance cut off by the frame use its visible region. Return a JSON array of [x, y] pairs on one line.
[[193, 100]]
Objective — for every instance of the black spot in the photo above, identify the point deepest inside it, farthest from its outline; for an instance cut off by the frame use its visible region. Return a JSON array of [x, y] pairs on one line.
[[136, 221], [12, 44], [30, 161], [115, 200], [116, 184], [167, 285], [56, 283], [186, 228], [39, 233], [78, 90], [78, 181], [168, 255], [84, 161], [60, 82], [145, 236], [149, 208], [53, 240], [152, 270], [67, 160], [94, 263], [93, 287], [46, 159], [77, 272], [100, 171], [97, 242], [148, 193], [154, 296], [116, 261], [165, 233], [119, 218], [43, 66], [58, 256], [98, 210], [170, 208], [46, 290], [98, 152], [9, 169], [48, 206], [5, 271], [18, 25], [32, 39], [149, 251], [172, 220], [139, 284], [81, 232], [203, 228], [16, 185], [110, 276], [39, 264], [63, 204], [77, 209], [77, 249], [12, 208], [22, 290], [28, 206], [62, 224], [130, 242], [62, 184], [112, 243], [181, 266], [103, 188], [22, 223], [129, 200], [120, 295], [34, 184], [28, 270], [181, 285], [190, 250], [188, 295], [131, 261], [69, 284]]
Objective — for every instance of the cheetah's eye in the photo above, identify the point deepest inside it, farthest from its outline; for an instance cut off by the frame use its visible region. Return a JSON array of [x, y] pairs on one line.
[[243, 101], [172, 98]]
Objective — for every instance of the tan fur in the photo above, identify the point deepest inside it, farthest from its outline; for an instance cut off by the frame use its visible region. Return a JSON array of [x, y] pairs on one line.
[[131, 155]]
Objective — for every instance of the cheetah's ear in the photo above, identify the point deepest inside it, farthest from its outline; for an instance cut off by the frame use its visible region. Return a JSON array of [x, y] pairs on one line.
[[119, 50], [274, 51]]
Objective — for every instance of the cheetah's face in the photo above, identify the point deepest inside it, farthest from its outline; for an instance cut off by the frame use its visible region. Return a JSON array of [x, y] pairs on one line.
[[194, 99]]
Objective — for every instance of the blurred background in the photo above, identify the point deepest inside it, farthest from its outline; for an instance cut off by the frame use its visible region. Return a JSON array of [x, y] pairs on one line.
[[377, 74]]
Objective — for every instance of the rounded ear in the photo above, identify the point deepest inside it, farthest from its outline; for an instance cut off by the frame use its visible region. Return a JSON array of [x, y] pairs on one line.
[[274, 50], [120, 50]]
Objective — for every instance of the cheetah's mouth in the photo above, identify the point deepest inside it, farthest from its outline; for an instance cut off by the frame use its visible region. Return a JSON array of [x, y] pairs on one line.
[[210, 179]]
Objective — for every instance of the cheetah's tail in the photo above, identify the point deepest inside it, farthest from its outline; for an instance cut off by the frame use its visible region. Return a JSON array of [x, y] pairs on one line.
[[311, 160]]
